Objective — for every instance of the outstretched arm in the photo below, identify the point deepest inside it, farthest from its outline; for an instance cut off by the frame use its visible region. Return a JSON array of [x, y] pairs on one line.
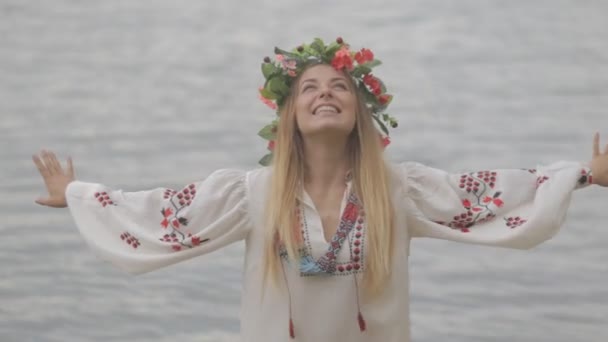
[[145, 230], [516, 208]]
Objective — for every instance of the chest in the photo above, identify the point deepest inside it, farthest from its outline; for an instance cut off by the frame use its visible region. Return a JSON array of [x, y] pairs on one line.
[[328, 210]]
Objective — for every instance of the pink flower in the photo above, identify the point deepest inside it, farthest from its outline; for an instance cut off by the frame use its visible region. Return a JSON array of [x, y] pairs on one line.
[[165, 223], [498, 202], [342, 59], [466, 203], [271, 144], [365, 55], [268, 102], [286, 64], [386, 141]]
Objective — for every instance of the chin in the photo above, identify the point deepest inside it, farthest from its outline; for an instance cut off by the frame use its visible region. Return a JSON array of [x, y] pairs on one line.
[[333, 130]]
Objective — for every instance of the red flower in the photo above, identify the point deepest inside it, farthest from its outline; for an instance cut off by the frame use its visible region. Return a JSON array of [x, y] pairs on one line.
[[175, 223], [373, 84], [342, 59], [365, 55], [271, 144], [487, 199], [498, 202], [385, 99], [466, 203], [165, 223]]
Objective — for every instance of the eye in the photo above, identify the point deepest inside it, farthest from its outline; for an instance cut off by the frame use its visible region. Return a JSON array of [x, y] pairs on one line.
[[341, 86], [307, 87]]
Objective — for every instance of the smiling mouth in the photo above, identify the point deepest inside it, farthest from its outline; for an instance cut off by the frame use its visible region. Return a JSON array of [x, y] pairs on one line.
[[326, 109]]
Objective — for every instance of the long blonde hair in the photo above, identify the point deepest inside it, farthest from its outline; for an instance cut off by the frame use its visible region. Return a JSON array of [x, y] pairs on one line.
[[370, 176]]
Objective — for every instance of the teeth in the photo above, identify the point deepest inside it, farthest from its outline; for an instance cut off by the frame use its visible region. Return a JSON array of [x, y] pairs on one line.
[[327, 108]]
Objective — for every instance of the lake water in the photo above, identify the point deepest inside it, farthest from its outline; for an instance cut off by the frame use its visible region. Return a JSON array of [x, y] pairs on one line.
[[156, 93]]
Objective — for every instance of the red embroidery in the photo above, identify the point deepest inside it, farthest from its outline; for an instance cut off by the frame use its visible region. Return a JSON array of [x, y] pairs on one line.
[[540, 180], [478, 209], [130, 239], [586, 178], [104, 199], [513, 222], [174, 222]]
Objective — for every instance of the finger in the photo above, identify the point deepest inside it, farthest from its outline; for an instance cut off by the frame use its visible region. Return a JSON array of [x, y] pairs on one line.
[[41, 167], [596, 144], [46, 157], [42, 201], [56, 163], [70, 168]]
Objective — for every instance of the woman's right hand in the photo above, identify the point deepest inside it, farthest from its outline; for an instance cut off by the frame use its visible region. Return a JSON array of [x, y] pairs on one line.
[[55, 178]]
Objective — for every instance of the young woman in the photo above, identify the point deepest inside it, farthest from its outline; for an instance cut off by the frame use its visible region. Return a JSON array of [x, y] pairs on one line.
[[328, 225]]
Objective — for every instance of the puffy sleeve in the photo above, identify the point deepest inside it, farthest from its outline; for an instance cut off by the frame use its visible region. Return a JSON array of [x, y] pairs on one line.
[[142, 231], [514, 208]]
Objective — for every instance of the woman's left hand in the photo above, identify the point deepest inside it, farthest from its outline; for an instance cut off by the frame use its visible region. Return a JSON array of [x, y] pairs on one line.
[[599, 163]]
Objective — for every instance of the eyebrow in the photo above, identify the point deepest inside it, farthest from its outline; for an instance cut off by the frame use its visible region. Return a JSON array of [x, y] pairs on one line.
[[316, 81]]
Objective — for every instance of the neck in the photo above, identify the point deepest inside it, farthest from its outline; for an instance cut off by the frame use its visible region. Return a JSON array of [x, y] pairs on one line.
[[326, 163]]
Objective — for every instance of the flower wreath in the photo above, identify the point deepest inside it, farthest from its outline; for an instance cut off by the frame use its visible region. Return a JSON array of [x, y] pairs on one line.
[[281, 72]]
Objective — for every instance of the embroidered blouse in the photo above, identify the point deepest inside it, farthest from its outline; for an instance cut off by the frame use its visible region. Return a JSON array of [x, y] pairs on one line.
[[319, 298]]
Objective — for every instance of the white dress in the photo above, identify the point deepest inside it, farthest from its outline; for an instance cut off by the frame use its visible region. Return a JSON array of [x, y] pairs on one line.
[[143, 231]]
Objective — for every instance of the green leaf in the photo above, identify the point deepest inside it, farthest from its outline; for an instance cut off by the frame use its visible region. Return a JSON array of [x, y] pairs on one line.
[[332, 48], [381, 124], [267, 133], [361, 70], [266, 160], [372, 64], [268, 69], [382, 86], [268, 94], [368, 96], [285, 53], [319, 46], [278, 86]]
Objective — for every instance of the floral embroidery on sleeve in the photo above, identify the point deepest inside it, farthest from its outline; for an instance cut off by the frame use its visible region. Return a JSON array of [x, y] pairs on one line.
[[481, 207], [174, 222], [104, 199]]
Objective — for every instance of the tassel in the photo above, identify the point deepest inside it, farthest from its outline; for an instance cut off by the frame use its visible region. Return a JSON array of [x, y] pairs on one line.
[[361, 321], [292, 332]]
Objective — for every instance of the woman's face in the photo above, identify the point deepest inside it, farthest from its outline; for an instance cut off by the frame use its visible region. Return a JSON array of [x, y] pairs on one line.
[[325, 102]]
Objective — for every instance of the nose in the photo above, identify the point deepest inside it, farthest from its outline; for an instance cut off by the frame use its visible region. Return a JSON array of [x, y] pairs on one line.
[[325, 92]]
